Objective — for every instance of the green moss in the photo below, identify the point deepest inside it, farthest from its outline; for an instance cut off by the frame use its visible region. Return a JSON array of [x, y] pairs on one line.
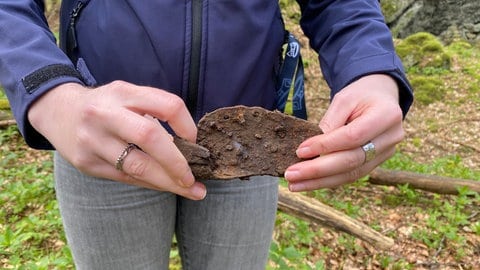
[[443, 60], [4, 105], [420, 38], [432, 46], [427, 89], [423, 50], [461, 47], [389, 8], [417, 142], [290, 10]]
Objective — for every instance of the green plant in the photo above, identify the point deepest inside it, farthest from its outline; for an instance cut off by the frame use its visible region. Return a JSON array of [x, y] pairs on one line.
[[449, 166], [389, 262], [31, 234], [291, 248], [445, 222], [476, 227], [410, 194], [284, 257], [348, 208], [6, 135]]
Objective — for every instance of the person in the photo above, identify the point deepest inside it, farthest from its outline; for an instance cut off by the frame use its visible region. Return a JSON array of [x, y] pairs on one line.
[[123, 188]]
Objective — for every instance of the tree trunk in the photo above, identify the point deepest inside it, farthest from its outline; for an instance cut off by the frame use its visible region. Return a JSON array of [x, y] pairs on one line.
[[312, 210], [432, 183], [6, 123]]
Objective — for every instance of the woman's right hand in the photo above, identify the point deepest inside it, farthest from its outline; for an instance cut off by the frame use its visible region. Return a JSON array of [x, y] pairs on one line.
[[90, 127]]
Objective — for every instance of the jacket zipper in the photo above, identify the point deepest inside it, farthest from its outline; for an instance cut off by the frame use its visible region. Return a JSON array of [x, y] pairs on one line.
[[195, 56], [72, 35]]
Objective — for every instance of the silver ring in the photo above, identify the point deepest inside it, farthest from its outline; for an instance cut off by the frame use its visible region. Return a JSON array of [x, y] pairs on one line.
[[369, 150], [123, 155]]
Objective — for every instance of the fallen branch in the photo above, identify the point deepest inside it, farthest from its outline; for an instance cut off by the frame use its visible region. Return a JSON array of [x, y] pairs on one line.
[[7, 123], [432, 183], [312, 210]]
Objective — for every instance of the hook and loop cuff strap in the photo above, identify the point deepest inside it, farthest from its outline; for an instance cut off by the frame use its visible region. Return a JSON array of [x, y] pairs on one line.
[[34, 80]]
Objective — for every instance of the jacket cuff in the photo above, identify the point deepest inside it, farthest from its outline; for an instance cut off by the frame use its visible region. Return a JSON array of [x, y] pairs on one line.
[[37, 84]]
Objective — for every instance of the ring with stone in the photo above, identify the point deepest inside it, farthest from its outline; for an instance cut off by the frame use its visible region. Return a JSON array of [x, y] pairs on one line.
[[369, 150]]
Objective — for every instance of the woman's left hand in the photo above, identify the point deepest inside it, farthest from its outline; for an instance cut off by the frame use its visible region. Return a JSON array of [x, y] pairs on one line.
[[366, 111]]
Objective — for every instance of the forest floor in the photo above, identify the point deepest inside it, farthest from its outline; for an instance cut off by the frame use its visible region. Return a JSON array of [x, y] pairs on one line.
[[430, 231]]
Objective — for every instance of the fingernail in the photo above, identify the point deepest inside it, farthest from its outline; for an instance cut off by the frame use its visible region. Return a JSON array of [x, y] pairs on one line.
[[304, 151], [292, 175], [296, 187], [199, 192]]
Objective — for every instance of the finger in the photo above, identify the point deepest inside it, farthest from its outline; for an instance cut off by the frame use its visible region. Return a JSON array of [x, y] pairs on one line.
[[153, 139], [323, 166], [197, 191], [356, 133], [342, 161], [337, 113], [337, 163], [95, 164], [128, 126], [340, 179], [158, 103], [139, 169]]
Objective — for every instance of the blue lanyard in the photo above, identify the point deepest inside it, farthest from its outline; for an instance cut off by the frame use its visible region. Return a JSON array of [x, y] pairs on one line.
[[292, 70]]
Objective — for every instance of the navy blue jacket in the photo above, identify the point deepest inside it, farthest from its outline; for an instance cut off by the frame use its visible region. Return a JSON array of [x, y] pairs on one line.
[[211, 53]]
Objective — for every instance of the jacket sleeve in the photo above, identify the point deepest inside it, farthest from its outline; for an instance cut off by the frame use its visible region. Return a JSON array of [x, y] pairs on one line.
[[352, 41], [30, 61]]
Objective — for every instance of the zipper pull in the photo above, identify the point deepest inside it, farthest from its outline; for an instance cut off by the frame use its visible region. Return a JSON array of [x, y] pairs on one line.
[[72, 35]]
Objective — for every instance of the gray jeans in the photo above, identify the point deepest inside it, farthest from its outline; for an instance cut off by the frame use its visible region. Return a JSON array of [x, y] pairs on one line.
[[110, 225]]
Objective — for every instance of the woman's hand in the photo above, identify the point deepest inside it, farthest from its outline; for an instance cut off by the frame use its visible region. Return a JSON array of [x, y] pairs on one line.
[[365, 111], [91, 127]]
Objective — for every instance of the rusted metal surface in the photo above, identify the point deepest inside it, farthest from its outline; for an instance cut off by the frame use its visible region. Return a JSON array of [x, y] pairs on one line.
[[240, 141]]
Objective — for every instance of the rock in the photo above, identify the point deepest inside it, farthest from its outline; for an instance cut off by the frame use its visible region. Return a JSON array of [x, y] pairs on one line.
[[447, 19]]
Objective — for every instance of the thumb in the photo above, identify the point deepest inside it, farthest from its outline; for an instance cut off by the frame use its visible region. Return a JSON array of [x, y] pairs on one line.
[[337, 114]]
